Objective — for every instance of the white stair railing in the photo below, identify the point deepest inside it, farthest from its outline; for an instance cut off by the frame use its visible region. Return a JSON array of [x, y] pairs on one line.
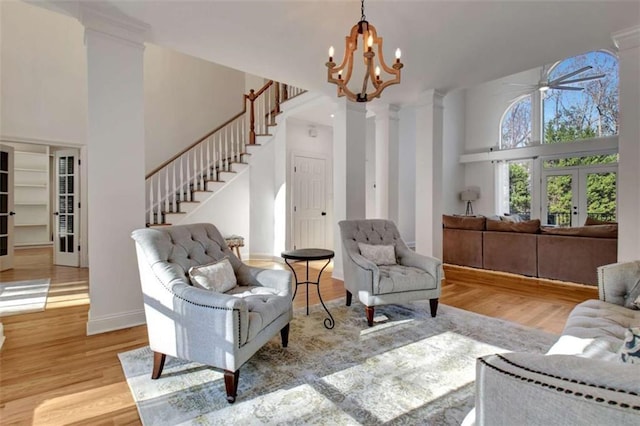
[[177, 179]]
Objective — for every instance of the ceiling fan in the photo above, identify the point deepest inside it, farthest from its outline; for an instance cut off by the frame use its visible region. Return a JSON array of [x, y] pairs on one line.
[[563, 82]]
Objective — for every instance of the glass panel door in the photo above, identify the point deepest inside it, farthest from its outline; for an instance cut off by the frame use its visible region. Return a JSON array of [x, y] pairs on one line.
[[560, 198], [599, 196], [66, 214], [6, 207]]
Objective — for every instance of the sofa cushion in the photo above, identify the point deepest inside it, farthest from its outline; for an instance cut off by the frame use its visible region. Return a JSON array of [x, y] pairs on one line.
[[462, 247], [380, 254], [526, 226], [217, 276], [464, 222], [394, 278], [630, 350], [593, 231], [595, 329]]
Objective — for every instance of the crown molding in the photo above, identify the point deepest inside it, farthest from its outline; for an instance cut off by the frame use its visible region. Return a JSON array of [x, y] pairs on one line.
[[104, 19]]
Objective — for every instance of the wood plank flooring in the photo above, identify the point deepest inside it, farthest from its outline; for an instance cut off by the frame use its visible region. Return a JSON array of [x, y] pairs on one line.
[[52, 373]]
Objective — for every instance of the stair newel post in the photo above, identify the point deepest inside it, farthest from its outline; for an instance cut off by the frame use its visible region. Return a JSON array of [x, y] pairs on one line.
[[174, 204], [167, 194], [252, 117], [277, 98], [202, 172], [159, 194], [151, 206]]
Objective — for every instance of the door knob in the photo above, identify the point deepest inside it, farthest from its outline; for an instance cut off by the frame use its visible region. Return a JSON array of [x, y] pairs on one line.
[[12, 213], [55, 213], [323, 213]]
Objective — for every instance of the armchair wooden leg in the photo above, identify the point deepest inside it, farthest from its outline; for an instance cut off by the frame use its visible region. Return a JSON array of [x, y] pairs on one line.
[[433, 304], [231, 384], [284, 334], [158, 364], [349, 295], [369, 310]]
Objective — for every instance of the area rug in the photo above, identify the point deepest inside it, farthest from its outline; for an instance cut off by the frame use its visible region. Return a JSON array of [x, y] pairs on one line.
[[19, 297], [408, 368]]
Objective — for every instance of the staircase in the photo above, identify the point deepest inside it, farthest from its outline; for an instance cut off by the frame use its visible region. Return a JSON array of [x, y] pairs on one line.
[[192, 176]]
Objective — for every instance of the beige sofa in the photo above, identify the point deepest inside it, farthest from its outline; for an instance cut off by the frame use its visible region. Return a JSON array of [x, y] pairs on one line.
[[582, 379], [566, 254]]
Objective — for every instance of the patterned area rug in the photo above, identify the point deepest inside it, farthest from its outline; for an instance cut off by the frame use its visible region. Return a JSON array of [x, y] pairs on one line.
[[20, 297], [408, 368]]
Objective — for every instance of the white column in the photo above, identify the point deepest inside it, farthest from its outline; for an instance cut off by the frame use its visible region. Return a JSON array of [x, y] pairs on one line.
[[429, 159], [387, 161], [116, 165], [628, 43], [349, 150]]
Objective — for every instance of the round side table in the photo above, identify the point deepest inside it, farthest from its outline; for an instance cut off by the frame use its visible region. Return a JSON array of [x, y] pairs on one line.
[[308, 255]]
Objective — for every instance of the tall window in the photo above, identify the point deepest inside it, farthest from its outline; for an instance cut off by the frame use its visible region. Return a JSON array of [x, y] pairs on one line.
[[570, 115], [572, 187], [516, 124]]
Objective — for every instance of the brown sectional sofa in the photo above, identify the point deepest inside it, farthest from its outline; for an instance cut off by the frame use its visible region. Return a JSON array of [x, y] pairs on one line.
[[566, 254]]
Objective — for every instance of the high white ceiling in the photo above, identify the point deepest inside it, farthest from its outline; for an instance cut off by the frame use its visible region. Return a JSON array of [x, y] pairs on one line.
[[445, 44]]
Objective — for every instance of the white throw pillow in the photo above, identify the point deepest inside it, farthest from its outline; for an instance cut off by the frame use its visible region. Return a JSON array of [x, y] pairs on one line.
[[378, 254], [218, 276]]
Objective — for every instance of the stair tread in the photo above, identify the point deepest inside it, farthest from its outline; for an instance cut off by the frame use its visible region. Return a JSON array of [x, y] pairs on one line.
[[187, 202], [155, 225]]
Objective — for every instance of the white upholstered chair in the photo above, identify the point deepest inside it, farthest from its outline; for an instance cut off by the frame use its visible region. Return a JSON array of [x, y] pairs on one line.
[[412, 277], [222, 330]]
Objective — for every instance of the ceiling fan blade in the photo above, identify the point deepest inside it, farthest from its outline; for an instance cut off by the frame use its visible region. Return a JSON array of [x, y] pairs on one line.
[[577, 80], [567, 88], [571, 74]]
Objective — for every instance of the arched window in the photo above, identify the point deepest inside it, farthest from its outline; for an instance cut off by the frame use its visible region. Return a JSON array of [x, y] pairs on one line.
[[516, 124], [588, 111]]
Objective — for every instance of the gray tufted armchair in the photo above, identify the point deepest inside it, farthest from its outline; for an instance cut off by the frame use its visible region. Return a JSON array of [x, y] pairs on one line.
[[414, 277], [222, 330]]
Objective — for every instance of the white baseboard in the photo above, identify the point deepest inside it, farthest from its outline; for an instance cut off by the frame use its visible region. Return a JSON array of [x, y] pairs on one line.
[[115, 322], [265, 256]]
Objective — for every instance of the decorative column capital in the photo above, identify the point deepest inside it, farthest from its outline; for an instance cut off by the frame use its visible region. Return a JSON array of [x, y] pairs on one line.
[[431, 97], [106, 20], [384, 111]]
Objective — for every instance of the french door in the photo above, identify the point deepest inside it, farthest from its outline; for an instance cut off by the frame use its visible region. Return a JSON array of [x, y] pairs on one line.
[[309, 200], [571, 195], [66, 241], [6, 208]]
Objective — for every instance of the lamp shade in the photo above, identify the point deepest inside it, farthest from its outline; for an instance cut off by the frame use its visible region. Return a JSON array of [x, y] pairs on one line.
[[469, 195]]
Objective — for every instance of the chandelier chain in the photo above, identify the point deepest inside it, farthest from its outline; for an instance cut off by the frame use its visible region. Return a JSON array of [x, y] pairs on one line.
[[363, 17]]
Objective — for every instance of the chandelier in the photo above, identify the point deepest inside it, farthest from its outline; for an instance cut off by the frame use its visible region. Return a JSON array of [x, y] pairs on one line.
[[372, 82]]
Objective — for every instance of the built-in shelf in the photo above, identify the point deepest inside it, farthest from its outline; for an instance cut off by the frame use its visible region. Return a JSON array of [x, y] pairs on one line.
[[30, 185], [31, 192], [26, 169]]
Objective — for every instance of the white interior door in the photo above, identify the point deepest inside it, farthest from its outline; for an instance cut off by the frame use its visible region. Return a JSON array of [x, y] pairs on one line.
[[309, 202], [6, 208], [66, 241]]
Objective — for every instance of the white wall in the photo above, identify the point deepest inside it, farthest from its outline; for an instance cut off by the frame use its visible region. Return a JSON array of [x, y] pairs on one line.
[[228, 210], [407, 174], [484, 106], [321, 146], [453, 147], [263, 196], [185, 98], [44, 75]]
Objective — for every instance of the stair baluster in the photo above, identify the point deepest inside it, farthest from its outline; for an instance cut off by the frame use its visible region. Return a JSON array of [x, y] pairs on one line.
[[178, 179]]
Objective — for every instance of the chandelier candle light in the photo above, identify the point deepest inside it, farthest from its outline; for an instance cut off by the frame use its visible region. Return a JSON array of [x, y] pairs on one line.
[[371, 43]]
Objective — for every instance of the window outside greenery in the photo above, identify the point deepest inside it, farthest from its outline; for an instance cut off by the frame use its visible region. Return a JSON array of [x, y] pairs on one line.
[[568, 116]]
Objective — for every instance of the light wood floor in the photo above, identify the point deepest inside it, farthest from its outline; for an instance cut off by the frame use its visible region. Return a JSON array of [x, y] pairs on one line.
[[52, 373]]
